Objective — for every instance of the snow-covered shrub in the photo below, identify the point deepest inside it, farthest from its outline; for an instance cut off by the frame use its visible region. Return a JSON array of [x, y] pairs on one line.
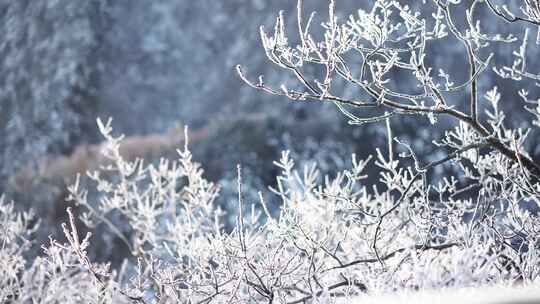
[[335, 237], [55, 277]]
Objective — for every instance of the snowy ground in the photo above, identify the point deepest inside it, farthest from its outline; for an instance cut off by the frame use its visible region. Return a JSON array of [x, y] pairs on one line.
[[491, 295]]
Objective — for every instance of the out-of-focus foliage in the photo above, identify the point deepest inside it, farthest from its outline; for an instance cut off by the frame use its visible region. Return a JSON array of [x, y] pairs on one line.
[[50, 66]]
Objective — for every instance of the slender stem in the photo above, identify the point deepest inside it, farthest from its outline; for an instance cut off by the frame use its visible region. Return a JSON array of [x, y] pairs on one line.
[[474, 84]]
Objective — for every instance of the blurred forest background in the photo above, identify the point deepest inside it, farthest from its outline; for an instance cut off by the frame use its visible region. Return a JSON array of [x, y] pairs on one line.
[[155, 66]]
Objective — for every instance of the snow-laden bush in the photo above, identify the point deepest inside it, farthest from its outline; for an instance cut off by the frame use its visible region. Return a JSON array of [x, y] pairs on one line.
[[334, 237], [55, 277]]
